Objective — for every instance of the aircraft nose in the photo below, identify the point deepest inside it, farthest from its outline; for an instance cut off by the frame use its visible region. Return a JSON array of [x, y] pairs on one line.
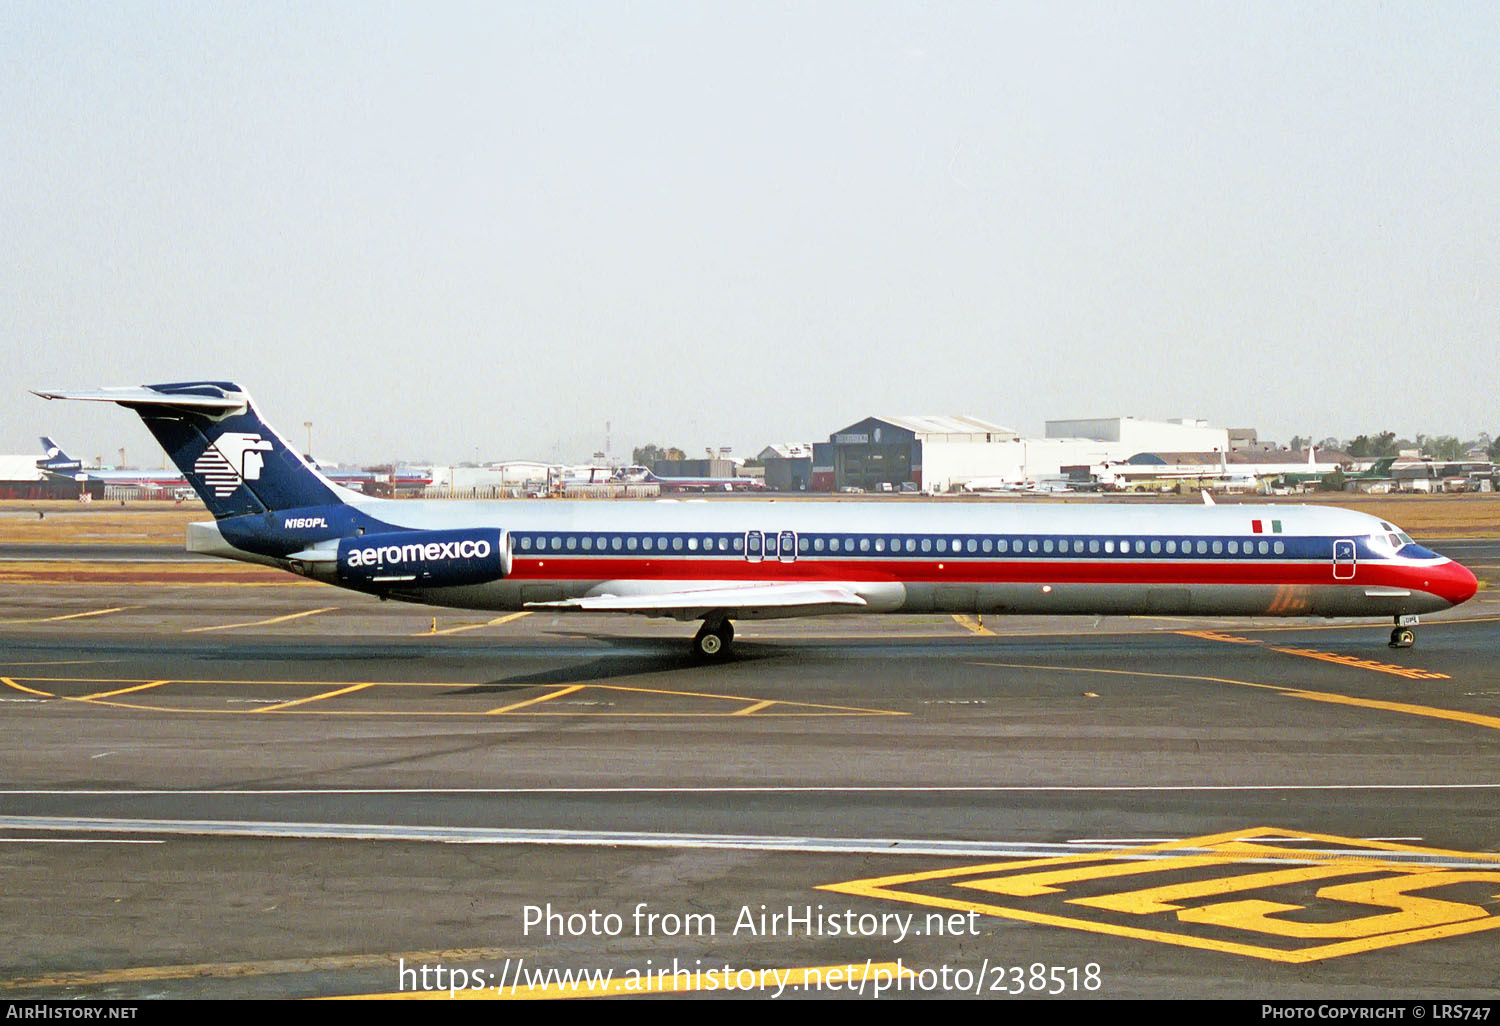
[[1452, 582]]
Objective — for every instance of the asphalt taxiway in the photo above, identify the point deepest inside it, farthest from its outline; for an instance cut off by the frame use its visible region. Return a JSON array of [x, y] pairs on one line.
[[220, 781]]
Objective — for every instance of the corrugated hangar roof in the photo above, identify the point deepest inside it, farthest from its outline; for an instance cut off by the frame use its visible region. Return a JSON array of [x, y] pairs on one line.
[[960, 425]]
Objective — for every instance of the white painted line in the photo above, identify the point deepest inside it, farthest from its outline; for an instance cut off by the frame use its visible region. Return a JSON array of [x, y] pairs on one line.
[[755, 789], [636, 839]]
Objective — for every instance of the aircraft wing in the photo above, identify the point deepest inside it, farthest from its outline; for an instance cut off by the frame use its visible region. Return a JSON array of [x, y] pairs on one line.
[[737, 601]]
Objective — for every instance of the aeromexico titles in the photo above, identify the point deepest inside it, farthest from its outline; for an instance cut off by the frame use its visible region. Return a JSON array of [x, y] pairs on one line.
[[720, 562]]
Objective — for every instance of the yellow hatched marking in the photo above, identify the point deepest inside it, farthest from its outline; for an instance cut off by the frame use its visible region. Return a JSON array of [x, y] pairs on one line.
[[1431, 712], [316, 698], [1217, 635], [1409, 672], [973, 626], [751, 710], [650, 984], [1417, 918], [124, 691], [73, 616], [19, 687], [473, 626], [261, 623], [533, 701]]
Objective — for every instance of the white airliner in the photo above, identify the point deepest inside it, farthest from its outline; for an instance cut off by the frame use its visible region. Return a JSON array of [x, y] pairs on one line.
[[720, 562]]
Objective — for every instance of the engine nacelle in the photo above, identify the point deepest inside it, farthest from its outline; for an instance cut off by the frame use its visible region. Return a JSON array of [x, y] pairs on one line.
[[430, 558]]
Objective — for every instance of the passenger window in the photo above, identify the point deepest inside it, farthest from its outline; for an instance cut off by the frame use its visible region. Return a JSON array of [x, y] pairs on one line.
[[1264, 548], [926, 544], [1218, 548], [1202, 548], [1279, 547], [646, 544], [616, 543], [1094, 545], [1171, 547], [911, 545], [1140, 546], [1234, 548], [739, 544], [556, 543], [692, 544], [1155, 547], [942, 544], [1109, 545], [879, 544], [572, 543], [817, 544], [989, 545], [1031, 545], [864, 545], [1047, 545], [1078, 545], [630, 543], [833, 544]]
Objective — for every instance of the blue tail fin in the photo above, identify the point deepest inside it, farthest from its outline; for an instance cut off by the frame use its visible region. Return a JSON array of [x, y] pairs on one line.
[[56, 461], [235, 461]]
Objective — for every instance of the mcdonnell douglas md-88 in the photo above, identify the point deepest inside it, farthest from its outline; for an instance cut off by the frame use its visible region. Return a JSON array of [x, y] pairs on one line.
[[720, 562]]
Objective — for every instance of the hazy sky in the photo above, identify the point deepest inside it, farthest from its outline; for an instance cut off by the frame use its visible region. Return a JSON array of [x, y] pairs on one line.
[[434, 227]]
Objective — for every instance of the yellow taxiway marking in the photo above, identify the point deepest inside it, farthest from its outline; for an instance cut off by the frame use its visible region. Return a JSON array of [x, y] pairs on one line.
[[751, 710], [744, 705], [261, 623], [652, 983], [472, 626], [72, 616], [314, 698], [238, 970], [124, 691], [972, 625], [567, 690], [1380, 907], [1408, 709], [1409, 672], [19, 687]]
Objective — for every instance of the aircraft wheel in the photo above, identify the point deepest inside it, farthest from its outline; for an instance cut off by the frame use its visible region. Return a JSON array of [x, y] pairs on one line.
[[713, 641], [1403, 637]]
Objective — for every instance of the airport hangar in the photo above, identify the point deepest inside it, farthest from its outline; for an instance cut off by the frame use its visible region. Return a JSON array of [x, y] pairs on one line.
[[940, 454]]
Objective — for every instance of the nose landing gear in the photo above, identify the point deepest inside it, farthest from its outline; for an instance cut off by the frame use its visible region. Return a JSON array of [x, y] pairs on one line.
[[712, 642], [1404, 635]]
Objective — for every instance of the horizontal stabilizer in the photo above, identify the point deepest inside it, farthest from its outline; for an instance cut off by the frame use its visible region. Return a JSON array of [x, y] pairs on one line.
[[196, 397]]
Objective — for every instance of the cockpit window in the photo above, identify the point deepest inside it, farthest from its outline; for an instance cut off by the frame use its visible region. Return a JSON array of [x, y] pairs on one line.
[[1394, 540], [1405, 538]]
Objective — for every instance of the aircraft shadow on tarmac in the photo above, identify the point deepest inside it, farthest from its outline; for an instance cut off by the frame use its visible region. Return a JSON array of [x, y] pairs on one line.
[[619, 665]]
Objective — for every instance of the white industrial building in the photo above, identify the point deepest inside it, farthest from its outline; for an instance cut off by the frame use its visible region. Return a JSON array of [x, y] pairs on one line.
[[944, 454], [1131, 435]]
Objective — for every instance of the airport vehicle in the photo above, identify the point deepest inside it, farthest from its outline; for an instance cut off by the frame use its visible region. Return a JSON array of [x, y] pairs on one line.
[[720, 562]]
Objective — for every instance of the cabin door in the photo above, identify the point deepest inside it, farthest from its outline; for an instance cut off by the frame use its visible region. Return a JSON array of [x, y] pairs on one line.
[[1343, 559]]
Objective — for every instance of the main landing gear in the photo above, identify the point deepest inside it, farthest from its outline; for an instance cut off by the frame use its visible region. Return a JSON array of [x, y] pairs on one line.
[[1404, 635], [713, 640]]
